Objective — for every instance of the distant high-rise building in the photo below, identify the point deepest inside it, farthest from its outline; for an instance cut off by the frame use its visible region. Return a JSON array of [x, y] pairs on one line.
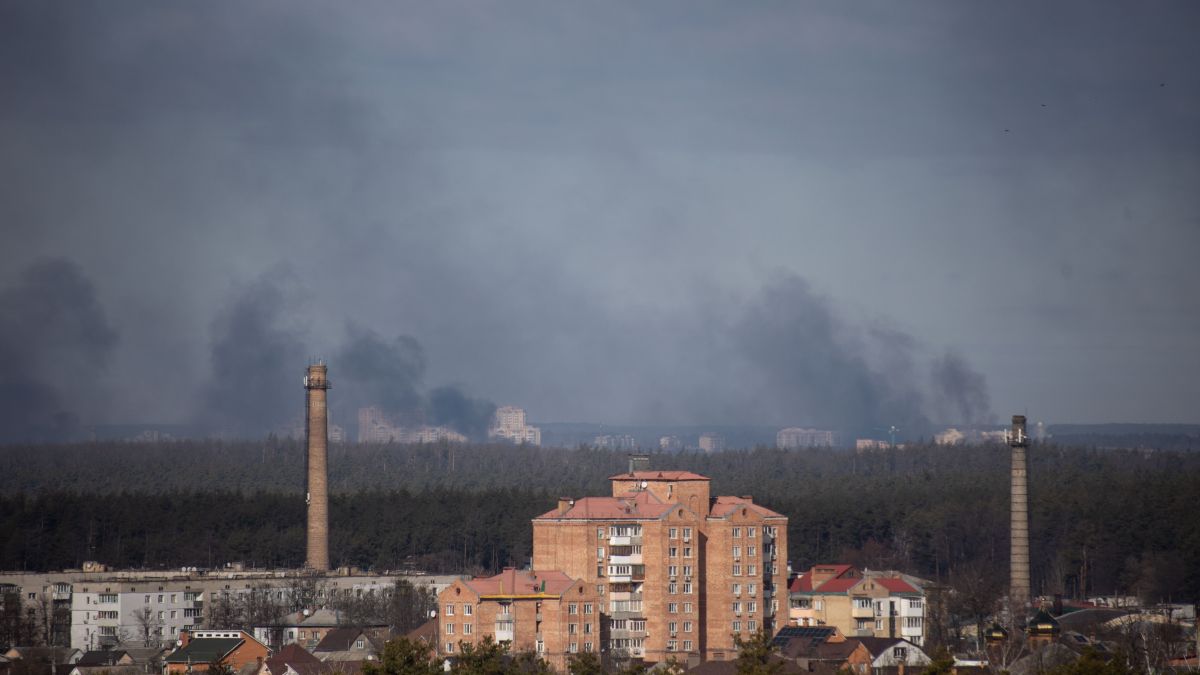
[[712, 442], [509, 424], [670, 443], [615, 442], [375, 426], [792, 438]]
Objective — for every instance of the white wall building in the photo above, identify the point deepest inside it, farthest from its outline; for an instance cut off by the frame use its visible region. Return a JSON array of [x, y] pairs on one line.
[[508, 424]]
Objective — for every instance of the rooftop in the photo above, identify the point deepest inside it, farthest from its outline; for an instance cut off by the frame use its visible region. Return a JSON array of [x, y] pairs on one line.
[[658, 475], [516, 583], [638, 505]]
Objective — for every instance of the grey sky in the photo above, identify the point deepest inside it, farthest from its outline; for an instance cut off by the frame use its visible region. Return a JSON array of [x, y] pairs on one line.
[[588, 208]]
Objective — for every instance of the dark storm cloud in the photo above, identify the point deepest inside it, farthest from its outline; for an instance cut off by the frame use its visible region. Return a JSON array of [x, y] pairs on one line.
[[545, 198], [56, 344]]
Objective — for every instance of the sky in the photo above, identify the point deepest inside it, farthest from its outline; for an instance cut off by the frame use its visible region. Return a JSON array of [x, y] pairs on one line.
[[831, 214]]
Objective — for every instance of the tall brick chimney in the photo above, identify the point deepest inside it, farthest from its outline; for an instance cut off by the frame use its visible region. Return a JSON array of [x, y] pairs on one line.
[[316, 383], [1019, 585]]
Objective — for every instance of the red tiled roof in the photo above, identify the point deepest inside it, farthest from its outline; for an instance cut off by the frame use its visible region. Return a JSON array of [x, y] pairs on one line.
[[658, 475], [838, 570], [643, 504], [290, 654], [801, 584], [838, 585], [725, 505], [521, 582], [896, 585]]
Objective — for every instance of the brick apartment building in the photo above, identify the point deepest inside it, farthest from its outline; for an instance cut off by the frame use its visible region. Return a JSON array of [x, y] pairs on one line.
[[677, 572], [546, 612]]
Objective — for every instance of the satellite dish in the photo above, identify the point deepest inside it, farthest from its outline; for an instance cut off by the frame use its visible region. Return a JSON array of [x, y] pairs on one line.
[[644, 484], [433, 613]]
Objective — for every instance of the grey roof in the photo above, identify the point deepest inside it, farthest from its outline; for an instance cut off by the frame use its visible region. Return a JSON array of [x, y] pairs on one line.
[[204, 650]]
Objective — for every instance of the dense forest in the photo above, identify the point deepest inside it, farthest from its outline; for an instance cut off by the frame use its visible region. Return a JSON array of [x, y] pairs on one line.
[[1102, 520]]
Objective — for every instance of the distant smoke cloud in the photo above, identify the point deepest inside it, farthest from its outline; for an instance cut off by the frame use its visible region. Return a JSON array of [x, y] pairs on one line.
[[960, 392], [818, 368], [450, 406], [56, 344], [257, 360], [372, 370]]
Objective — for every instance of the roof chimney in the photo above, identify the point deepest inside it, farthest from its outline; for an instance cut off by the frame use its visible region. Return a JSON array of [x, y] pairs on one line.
[[565, 504], [749, 499], [185, 636]]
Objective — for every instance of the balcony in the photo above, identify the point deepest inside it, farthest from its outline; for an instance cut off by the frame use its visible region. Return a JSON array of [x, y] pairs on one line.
[[629, 540], [631, 559], [504, 631], [857, 612]]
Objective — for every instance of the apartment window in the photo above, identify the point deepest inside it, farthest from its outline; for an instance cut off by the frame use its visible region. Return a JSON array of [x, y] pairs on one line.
[[737, 570], [862, 603], [751, 625], [468, 628], [774, 606], [574, 648], [572, 628], [913, 622], [599, 553], [751, 589], [687, 645], [687, 534], [751, 570], [687, 570], [687, 608], [737, 626], [587, 628], [160, 598], [802, 603], [673, 627], [173, 613], [468, 610], [541, 647], [104, 597], [450, 610], [751, 550], [687, 587], [673, 533], [737, 589], [751, 607], [737, 608], [899, 653], [449, 630], [737, 552], [861, 624], [687, 551], [599, 572], [599, 532], [587, 608], [878, 625], [750, 531], [737, 533], [672, 570], [674, 552], [672, 645], [672, 588], [587, 646], [637, 624], [172, 597], [449, 647], [673, 608], [147, 601], [572, 608], [687, 626], [916, 603], [600, 588], [161, 615]]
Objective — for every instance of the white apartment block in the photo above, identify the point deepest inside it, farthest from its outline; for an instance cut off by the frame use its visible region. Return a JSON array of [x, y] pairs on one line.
[[509, 424], [793, 438]]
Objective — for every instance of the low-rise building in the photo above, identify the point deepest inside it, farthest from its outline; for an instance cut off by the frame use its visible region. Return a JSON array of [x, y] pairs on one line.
[[546, 612], [793, 438], [197, 652], [871, 604]]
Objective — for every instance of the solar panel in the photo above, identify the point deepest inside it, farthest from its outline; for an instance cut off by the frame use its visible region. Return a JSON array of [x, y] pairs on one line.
[[809, 632]]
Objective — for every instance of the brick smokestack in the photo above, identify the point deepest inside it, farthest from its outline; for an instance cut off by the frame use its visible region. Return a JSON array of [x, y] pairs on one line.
[[1019, 567], [317, 426]]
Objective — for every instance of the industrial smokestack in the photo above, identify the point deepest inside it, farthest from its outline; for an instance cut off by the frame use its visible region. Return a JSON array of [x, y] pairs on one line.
[[1019, 567], [317, 427]]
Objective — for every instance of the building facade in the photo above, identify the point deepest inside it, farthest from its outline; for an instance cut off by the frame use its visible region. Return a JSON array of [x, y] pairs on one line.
[[793, 438], [677, 571], [508, 424], [871, 604], [544, 612]]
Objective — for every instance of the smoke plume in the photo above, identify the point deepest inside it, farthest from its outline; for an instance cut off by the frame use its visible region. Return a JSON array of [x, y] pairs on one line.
[[56, 343], [451, 406], [959, 391]]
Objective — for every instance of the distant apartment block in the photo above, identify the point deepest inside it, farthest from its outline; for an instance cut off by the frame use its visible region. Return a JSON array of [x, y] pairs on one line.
[[712, 442], [615, 442], [375, 426], [508, 424], [677, 572], [859, 604], [953, 436], [793, 438], [545, 612], [670, 443]]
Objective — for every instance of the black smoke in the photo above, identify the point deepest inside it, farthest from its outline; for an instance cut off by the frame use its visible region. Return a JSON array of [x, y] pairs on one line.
[[960, 392], [257, 358], [373, 370], [56, 344], [451, 406]]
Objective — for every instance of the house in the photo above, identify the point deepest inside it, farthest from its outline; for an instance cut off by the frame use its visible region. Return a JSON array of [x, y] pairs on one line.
[[859, 604], [296, 660], [890, 653], [200, 649], [348, 644]]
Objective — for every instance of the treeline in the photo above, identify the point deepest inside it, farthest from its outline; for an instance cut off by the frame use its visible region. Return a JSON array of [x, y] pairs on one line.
[[1102, 521]]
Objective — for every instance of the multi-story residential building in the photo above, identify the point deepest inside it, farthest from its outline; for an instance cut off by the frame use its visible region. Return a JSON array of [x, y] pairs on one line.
[[670, 443], [508, 424], [546, 612], [615, 442], [109, 613], [712, 442], [872, 604], [793, 438], [679, 572]]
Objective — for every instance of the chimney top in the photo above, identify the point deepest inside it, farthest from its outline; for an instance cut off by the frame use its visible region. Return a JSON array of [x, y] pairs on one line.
[[639, 463]]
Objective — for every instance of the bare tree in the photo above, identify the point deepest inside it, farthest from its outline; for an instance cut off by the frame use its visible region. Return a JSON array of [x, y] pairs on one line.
[[148, 625]]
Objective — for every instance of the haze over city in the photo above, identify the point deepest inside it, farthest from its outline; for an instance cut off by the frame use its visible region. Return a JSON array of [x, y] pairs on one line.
[[845, 215]]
